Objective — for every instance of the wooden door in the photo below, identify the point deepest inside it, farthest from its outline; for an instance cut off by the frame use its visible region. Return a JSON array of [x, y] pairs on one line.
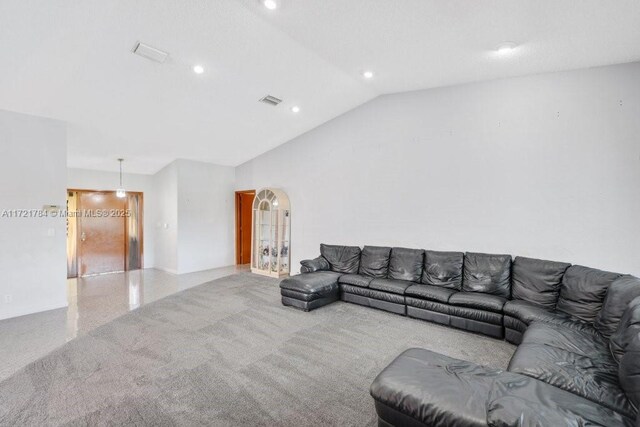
[[101, 231], [244, 206]]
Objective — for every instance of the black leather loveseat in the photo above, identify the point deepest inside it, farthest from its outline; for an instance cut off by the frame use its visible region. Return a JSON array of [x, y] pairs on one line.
[[578, 330]]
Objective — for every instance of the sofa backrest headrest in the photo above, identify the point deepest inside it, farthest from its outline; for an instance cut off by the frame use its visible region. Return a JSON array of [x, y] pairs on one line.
[[374, 261], [537, 281], [487, 273], [342, 259], [583, 290], [621, 292], [406, 264], [629, 371], [628, 327], [443, 269]]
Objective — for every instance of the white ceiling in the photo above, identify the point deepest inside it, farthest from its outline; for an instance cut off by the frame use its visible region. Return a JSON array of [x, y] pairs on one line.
[[72, 60]]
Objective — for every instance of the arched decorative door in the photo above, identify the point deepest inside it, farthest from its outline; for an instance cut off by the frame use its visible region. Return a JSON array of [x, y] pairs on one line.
[[270, 247]]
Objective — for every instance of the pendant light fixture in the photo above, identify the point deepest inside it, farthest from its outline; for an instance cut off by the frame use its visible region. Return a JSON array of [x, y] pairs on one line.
[[120, 191]]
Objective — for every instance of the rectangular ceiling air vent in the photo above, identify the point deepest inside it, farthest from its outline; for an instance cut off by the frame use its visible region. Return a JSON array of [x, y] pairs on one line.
[[149, 52], [271, 100]]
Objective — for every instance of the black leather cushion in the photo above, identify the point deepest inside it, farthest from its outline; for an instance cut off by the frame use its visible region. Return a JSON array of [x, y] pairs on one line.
[[583, 290], [477, 300], [629, 372], [516, 400], [537, 281], [627, 329], [483, 316], [443, 269], [406, 264], [586, 342], [529, 313], [374, 261], [372, 293], [342, 259], [389, 285], [435, 390], [319, 282], [486, 273], [595, 378], [316, 264], [621, 292], [434, 293], [355, 280]]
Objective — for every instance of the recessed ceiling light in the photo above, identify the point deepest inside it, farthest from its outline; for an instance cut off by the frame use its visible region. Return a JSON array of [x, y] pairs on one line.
[[506, 48], [295, 109], [198, 69], [270, 4], [367, 74]]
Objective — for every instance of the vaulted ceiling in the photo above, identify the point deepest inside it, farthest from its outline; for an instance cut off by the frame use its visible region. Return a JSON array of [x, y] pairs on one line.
[[72, 60]]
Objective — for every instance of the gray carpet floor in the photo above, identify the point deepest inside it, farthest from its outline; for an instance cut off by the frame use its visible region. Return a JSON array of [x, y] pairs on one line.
[[227, 353]]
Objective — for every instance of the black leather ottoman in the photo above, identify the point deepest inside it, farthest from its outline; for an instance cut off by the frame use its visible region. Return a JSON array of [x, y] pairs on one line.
[[423, 388], [310, 290]]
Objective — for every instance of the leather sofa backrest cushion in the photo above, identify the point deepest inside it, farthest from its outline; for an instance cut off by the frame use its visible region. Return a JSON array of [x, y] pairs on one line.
[[342, 259], [583, 290], [629, 371], [487, 273], [374, 261], [629, 327], [621, 292], [537, 281], [406, 264], [443, 269]]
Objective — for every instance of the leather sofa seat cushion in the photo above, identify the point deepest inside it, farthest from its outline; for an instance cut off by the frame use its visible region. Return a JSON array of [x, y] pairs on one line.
[[342, 259], [628, 328], [621, 292], [406, 264], [374, 261], [479, 301], [433, 293], [487, 273], [516, 400], [443, 269], [483, 316], [590, 378], [629, 372], [389, 285], [372, 293], [583, 290], [434, 389], [585, 342], [355, 280], [537, 281], [320, 282], [529, 313]]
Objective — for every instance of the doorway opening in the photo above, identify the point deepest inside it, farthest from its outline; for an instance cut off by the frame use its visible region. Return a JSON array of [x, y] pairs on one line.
[[244, 209], [104, 232]]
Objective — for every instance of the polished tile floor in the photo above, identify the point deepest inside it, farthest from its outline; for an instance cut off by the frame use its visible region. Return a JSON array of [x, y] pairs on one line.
[[93, 301]]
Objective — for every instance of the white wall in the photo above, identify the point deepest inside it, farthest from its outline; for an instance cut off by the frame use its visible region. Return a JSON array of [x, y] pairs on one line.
[[194, 216], [545, 166], [165, 218], [84, 179], [33, 161], [205, 216]]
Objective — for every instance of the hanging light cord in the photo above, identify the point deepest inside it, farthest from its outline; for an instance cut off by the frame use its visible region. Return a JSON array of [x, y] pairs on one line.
[[120, 160]]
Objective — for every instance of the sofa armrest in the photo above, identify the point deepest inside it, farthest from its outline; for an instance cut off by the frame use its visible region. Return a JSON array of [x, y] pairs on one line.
[[517, 400], [316, 264]]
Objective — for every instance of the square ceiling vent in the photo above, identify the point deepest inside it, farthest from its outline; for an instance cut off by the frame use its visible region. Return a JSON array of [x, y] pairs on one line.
[[271, 100], [149, 52]]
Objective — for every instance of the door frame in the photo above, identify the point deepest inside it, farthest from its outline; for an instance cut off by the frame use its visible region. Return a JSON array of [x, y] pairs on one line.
[[127, 248], [238, 220]]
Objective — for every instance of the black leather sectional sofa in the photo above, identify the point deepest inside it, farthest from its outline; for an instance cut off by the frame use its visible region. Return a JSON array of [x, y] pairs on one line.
[[578, 330]]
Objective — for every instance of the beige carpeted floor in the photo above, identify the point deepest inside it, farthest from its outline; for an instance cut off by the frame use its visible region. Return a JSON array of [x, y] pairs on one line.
[[227, 353]]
